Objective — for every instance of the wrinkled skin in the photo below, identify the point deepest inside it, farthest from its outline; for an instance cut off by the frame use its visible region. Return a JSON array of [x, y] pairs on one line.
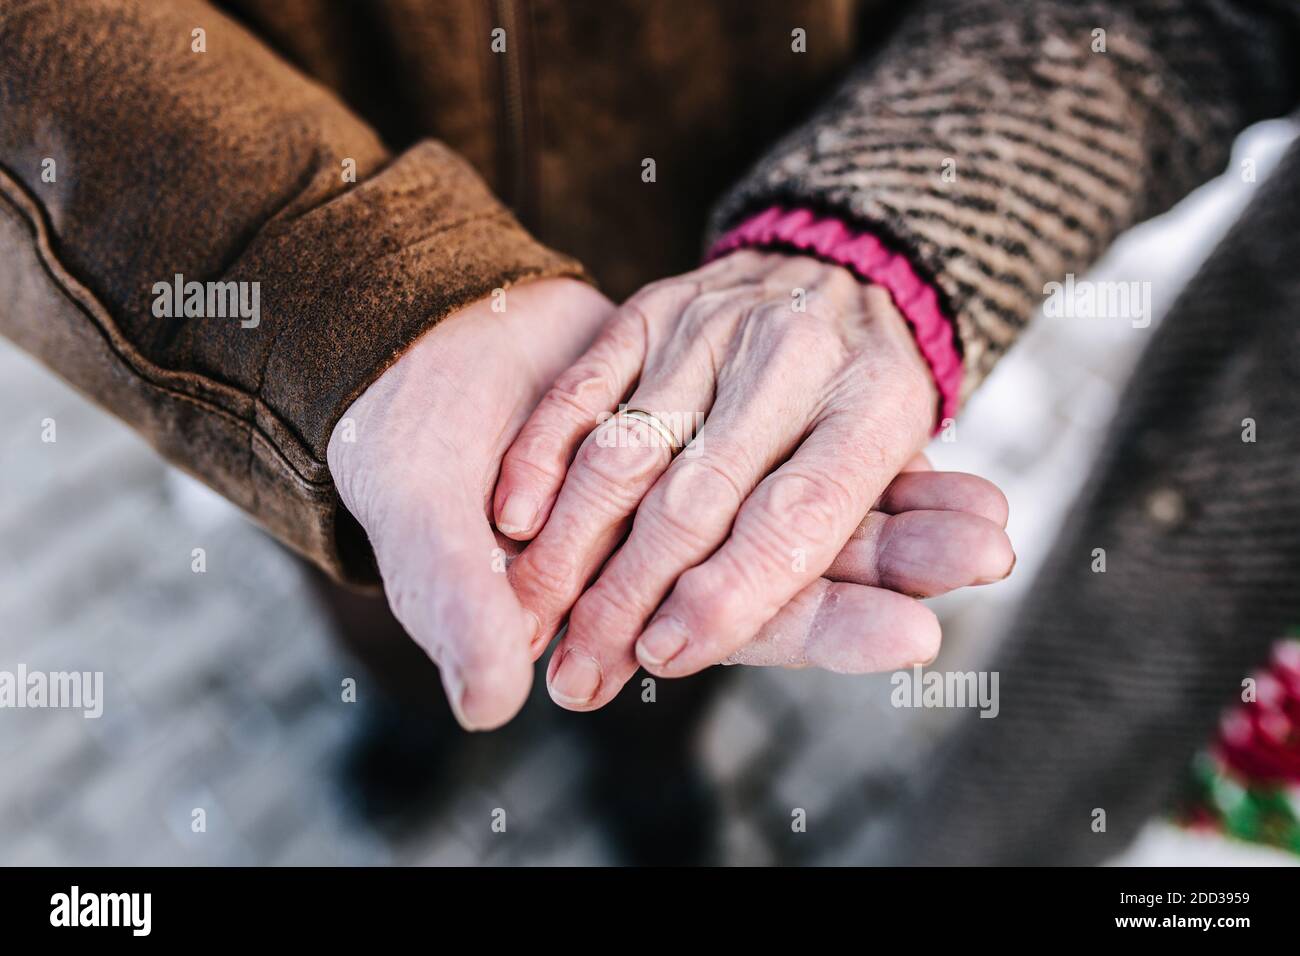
[[431, 435]]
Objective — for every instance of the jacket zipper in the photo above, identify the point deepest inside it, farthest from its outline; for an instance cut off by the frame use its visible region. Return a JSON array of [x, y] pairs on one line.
[[515, 127]]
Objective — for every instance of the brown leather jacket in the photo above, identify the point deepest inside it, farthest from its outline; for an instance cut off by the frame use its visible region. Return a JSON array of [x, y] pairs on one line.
[[347, 157], [229, 164]]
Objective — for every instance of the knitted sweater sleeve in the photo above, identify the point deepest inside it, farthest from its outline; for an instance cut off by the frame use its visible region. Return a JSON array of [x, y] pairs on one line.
[[1001, 144]]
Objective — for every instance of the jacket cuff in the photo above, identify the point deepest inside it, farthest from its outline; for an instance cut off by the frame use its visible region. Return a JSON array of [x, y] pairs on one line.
[[347, 280], [866, 257], [347, 287]]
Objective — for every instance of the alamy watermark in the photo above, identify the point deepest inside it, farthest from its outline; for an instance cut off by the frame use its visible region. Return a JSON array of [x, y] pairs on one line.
[[916, 688], [75, 908], [55, 690], [208, 300], [1098, 299]]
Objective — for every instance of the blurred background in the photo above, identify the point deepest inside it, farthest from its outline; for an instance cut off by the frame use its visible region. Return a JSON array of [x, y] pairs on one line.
[[223, 690]]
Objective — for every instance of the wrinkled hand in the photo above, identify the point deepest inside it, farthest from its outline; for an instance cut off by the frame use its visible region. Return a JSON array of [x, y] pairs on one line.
[[750, 545], [430, 433]]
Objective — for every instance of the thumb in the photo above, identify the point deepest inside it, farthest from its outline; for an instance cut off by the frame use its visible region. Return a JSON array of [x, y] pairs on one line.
[[445, 578]]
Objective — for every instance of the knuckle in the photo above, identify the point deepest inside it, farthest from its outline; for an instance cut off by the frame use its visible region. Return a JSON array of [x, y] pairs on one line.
[[708, 595], [546, 574], [601, 616], [618, 463], [672, 526], [769, 556], [579, 394], [538, 449], [694, 496], [803, 510]]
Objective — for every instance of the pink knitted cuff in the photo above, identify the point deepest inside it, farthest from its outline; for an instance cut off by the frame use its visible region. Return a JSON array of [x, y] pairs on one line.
[[863, 254]]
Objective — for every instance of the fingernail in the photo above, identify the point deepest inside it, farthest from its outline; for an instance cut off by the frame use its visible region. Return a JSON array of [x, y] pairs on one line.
[[517, 514], [661, 642], [576, 680], [534, 626], [1006, 574]]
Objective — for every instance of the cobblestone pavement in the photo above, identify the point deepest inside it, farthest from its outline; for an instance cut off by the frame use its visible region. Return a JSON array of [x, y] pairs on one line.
[[222, 688]]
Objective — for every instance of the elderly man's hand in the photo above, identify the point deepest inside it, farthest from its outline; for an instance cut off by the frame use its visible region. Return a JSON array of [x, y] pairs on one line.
[[750, 545], [429, 436]]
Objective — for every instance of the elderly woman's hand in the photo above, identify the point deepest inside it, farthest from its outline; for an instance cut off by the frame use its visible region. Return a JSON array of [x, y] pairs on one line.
[[813, 397]]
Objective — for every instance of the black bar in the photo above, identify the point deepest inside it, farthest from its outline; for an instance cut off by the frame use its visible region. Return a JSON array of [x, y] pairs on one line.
[[479, 906]]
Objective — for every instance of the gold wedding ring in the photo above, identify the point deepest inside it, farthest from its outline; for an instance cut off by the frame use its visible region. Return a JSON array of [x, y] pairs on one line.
[[664, 432]]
